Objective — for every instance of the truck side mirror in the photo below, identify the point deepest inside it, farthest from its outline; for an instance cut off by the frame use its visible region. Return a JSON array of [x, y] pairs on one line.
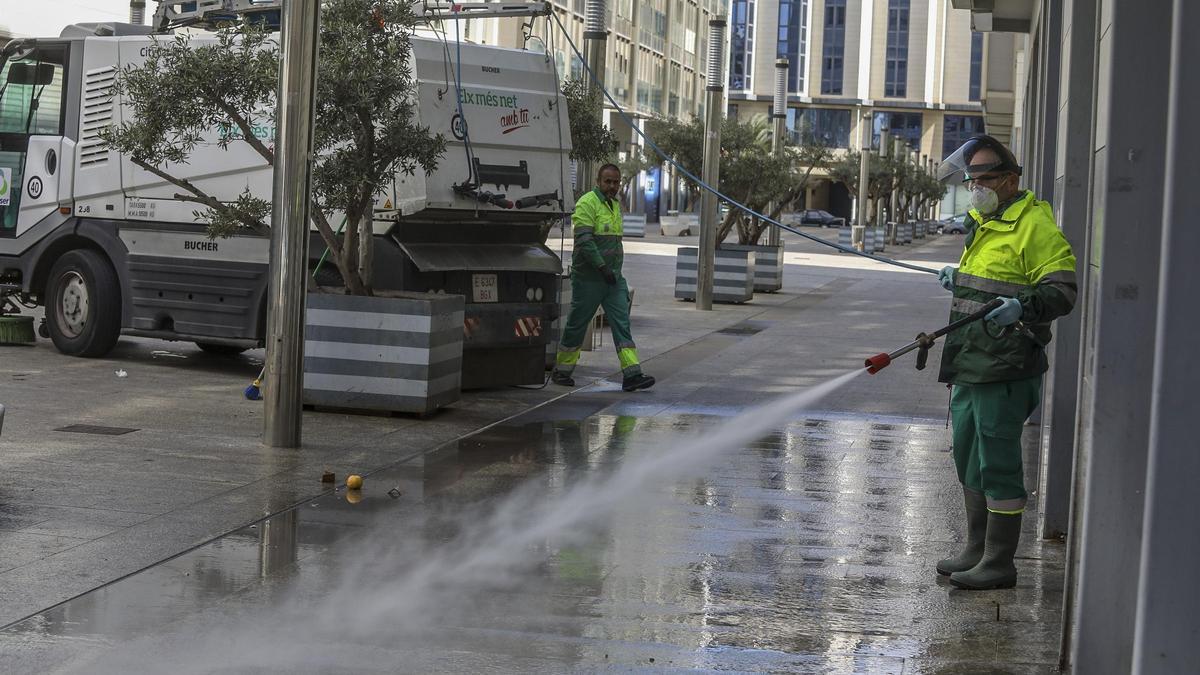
[[30, 73]]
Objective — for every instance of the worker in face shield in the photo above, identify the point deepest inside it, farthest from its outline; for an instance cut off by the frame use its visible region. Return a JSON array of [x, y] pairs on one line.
[[596, 280], [1014, 251]]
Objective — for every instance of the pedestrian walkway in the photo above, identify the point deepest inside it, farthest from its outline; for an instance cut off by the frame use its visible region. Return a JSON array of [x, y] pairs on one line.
[[810, 551]]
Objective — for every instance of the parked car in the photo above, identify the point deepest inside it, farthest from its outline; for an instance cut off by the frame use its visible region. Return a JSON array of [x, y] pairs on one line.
[[953, 224], [820, 217]]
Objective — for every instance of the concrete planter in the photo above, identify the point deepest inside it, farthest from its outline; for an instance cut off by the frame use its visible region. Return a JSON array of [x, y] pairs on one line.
[[634, 226], [733, 276], [880, 239], [846, 235], [869, 240], [918, 230], [401, 353], [768, 265]]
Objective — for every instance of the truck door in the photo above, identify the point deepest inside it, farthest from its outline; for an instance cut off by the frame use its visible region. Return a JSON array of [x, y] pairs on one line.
[[31, 136]]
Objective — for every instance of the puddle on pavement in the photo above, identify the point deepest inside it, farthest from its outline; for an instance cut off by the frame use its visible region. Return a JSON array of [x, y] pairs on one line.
[[525, 548]]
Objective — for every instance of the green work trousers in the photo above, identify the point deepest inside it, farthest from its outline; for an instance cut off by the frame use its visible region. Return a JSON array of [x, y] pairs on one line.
[[988, 421], [586, 296]]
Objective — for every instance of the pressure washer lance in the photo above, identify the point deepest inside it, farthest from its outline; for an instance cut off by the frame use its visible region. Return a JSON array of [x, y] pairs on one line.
[[924, 342]]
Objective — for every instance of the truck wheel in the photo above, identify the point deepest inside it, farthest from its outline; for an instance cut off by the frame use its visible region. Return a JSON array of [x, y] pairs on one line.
[[83, 304], [220, 350]]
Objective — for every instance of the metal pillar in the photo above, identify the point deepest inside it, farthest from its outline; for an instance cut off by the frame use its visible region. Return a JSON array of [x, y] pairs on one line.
[[779, 113], [881, 218], [595, 47], [894, 204], [1121, 327], [858, 232], [709, 208], [1169, 591], [137, 12], [289, 223]]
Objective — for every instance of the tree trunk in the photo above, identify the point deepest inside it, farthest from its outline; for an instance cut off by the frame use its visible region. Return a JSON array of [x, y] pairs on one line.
[[366, 252]]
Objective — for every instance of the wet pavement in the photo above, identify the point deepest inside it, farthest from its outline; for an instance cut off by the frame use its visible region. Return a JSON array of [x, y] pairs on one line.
[[523, 547], [809, 551]]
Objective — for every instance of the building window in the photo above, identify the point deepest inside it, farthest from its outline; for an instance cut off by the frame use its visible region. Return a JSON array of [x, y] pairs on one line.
[[976, 65], [741, 45], [793, 41], [823, 126], [896, 68], [956, 129], [901, 125], [833, 54]]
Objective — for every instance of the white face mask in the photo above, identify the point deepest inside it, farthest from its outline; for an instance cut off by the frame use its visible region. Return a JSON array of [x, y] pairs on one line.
[[984, 200]]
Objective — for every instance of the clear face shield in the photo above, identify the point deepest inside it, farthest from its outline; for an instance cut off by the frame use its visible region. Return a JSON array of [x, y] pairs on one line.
[[962, 165]]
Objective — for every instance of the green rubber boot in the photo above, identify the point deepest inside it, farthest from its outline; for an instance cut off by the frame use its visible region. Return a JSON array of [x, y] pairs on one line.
[[995, 569], [977, 518]]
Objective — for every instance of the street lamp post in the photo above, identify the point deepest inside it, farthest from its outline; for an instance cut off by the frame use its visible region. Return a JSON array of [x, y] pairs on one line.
[[289, 224], [779, 113], [715, 90], [880, 209], [857, 234], [595, 40]]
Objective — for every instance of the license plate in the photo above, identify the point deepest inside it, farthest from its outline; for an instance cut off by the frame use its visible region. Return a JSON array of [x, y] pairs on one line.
[[483, 288]]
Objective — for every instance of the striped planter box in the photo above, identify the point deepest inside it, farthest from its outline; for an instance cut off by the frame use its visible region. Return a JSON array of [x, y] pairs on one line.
[[880, 239], [846, 235], [919, 230], [869, 240], [906, 233], [633, 226], [768, 265], [401, 354], [733, 276]]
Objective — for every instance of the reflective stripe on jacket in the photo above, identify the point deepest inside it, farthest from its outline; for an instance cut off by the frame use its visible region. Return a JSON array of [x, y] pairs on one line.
[[1019, 253], [598, 227]]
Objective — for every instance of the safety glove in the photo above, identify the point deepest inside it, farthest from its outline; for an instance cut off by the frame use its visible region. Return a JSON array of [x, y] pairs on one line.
[[610, 277], [1006, 314], [946, 277]]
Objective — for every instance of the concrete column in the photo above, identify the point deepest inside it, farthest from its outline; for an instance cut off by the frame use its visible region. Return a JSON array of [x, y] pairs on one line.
[[1071, 199], [1120, 326], [1049, 54], [1167, 636]]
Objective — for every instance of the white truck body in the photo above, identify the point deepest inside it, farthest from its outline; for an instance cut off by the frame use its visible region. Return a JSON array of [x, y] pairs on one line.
[[69, 192]]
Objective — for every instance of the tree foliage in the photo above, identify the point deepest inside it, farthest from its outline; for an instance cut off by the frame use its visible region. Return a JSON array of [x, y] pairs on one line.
[[591, 141], [750, 172], [364, 131], [913, 185]]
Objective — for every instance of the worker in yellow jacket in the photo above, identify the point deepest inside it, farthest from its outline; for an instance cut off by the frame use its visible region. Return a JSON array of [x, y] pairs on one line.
[[1014, 251]]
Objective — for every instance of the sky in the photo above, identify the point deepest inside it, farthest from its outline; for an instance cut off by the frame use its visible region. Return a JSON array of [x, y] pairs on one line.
[[46, 18]]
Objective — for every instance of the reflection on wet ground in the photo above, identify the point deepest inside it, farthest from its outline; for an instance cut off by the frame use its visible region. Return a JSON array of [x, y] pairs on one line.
[[810, 550]]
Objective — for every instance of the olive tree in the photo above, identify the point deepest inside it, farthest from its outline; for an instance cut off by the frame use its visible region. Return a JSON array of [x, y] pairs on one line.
[[364, 132], [750, 172]]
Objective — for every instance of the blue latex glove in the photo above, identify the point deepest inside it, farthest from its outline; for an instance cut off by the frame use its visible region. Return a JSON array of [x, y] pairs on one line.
[[1006, 314], [946, 277]]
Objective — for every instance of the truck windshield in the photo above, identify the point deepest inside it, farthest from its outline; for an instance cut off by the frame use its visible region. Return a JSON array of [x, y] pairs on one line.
[[31, 97]]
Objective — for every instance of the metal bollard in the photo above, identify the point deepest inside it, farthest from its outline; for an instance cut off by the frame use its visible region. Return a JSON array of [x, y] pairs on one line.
[[1, 418]]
